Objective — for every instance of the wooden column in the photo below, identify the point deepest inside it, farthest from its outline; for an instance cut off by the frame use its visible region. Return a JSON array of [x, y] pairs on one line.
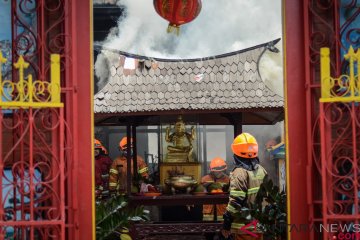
[[135, 168], [128, 158]]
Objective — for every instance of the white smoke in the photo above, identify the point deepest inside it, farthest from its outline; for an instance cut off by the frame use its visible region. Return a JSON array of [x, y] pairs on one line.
[[222, 26], [102, 70], [271, 70]]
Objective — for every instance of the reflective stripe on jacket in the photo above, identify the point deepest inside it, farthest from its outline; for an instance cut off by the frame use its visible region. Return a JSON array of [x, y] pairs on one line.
[[244, 186], [118, 172]]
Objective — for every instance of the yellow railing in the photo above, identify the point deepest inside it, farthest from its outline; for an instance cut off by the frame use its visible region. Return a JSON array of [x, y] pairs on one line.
[[27, 93], [345, 88]]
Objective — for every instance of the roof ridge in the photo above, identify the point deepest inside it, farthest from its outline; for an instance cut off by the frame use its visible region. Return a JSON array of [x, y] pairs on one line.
[[127, 54]]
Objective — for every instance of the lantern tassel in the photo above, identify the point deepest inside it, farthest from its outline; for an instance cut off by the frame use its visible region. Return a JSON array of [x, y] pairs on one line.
[[173, 28]]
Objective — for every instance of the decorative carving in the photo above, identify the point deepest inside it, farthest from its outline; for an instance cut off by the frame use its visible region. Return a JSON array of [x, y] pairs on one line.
[[29, 93], [345, 88], [145, 230]]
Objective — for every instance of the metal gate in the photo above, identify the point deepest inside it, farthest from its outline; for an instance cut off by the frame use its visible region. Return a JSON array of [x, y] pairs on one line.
[[32, 168], [339, 153], [40, 160], [332, 128]]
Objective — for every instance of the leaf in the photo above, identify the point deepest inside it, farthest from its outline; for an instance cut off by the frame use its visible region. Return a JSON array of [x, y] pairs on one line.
[[114, 214], [269, 185]]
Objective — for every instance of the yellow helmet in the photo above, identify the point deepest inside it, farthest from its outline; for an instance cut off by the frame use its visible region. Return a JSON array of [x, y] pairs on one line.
[[245, 145]]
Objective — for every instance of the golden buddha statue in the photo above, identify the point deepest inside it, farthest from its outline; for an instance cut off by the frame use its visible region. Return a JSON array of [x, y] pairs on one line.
[[181, 149]]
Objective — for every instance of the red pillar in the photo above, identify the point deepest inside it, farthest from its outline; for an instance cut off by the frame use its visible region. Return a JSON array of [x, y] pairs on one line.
[[296, 121], [82, 110]]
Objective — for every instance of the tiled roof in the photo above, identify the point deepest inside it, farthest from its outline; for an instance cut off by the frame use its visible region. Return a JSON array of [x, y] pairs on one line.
[[229, 81]]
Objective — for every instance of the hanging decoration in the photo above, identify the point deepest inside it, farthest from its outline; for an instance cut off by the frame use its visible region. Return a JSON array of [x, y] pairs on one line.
[[177, 12]]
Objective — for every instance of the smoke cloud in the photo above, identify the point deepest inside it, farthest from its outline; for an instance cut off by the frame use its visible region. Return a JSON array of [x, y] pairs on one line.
[[271, 70], [102, 70]]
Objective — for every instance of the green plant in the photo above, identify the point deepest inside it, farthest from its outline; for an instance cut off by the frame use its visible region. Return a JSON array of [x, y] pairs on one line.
[[114, 215], [270, 210]]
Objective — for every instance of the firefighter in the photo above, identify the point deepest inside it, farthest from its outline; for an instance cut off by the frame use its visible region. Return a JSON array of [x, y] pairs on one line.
[[118, 170], [102, 167], [245, 180], [217, 176]]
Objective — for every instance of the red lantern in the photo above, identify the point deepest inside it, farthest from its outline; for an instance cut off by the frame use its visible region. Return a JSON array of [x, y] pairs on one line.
[[177, 12]]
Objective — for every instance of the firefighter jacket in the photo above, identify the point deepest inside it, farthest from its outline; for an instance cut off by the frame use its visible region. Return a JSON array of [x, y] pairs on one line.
[[102, 167], [220, 208], [245, 181], [118, 173]]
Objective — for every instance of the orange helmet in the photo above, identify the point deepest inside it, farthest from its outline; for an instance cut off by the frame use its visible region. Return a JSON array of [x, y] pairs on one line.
[[104, 150], [97, 144], [123, 143], [218, 164], [245, 145]]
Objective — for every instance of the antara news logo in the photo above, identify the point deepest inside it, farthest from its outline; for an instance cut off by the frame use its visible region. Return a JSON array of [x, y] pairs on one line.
[[338, 231]]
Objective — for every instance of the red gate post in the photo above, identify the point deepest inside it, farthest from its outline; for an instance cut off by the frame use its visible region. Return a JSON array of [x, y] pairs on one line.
[[80, 24], [295, 117]]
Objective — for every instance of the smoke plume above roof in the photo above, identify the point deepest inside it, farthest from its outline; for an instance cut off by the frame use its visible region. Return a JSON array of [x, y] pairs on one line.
[[222, 26]]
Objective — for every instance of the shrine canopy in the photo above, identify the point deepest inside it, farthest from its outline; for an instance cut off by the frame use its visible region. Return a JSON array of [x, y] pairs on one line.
[[211, 86]]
